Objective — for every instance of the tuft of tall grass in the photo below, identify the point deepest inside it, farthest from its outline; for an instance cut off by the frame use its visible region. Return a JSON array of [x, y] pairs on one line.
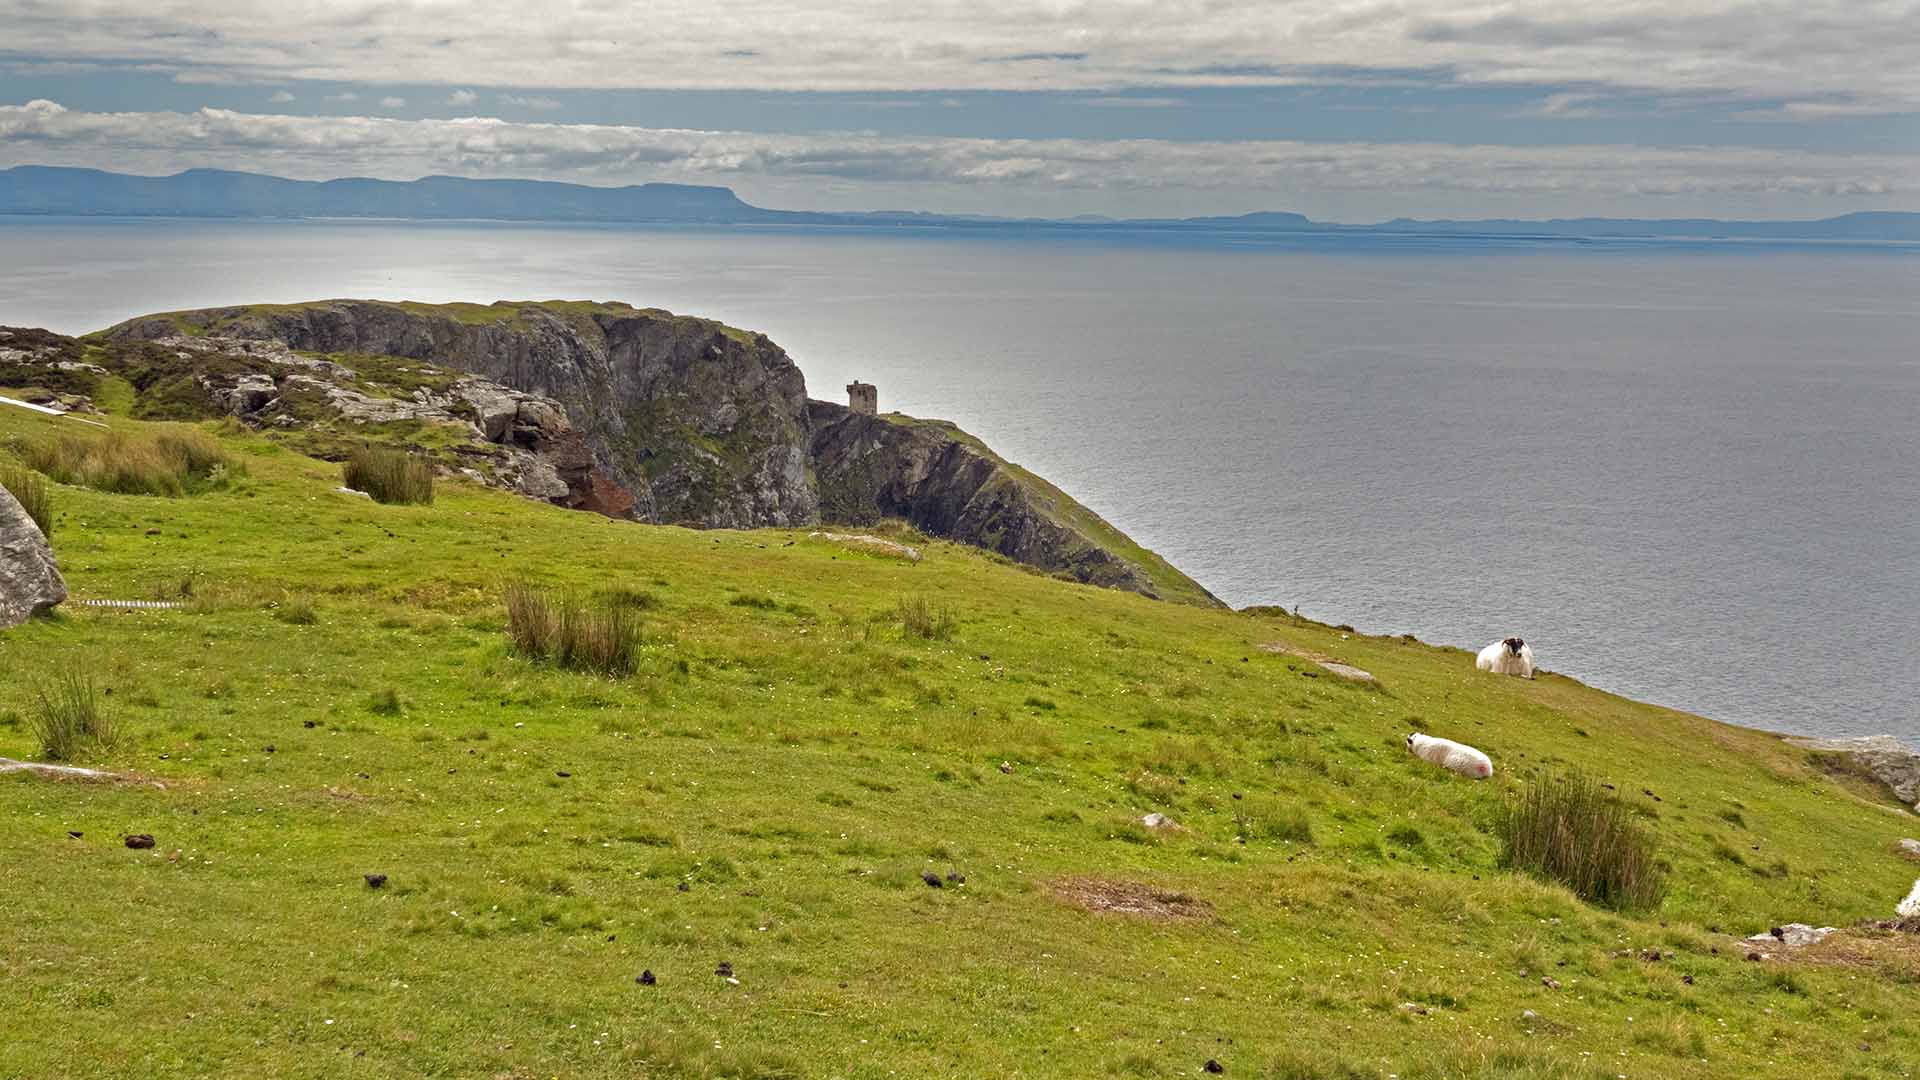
[[597, 634], [920, 619], [171, 460], [390, 476], [67, 718], [32, 492], [1570, 830]]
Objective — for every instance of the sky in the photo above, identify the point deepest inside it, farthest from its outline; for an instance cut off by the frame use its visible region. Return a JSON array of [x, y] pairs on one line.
[[1345, 110]]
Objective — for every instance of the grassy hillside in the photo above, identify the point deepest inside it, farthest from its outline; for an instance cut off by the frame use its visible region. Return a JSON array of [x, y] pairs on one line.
[[338, 699]]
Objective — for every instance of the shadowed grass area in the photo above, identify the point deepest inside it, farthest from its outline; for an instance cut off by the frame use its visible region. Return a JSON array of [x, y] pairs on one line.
[[771, 786], [389, 476]]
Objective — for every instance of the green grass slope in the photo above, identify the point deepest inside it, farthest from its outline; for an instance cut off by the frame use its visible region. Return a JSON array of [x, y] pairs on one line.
[[768, 790]]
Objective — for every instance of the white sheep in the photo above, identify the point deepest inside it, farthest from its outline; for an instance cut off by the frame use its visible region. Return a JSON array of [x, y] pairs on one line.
[[1446, 753], [1508, 656], [1910, 907]]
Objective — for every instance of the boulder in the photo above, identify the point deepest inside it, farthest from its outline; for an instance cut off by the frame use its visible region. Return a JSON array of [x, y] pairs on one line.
[[30, 582], [494, 406], [1910, 848], [241, 395], [1792, 935]]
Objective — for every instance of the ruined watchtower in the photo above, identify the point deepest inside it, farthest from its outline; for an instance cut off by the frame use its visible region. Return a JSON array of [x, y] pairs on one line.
[[863, 397]]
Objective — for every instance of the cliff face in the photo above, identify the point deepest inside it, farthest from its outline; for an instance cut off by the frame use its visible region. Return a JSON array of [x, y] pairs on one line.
[[701, 423], [683, 420], [949, 484]]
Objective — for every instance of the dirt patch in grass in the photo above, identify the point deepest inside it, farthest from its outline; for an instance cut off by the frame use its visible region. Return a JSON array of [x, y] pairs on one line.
[[1890, 947], [1338, 667], [1136, 898]]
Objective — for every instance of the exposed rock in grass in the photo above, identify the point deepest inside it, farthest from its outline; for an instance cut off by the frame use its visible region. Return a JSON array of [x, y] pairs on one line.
[[1910, 848], [1159, 821], [873, 544], [140, 841], [30, 582], [57, 772], [1332, 666], [1792, 935], [1120, 897], [376, 881], [1884, 757]]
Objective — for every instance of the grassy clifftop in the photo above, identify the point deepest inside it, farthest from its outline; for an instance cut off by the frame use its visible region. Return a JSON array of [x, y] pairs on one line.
[[770, 787]]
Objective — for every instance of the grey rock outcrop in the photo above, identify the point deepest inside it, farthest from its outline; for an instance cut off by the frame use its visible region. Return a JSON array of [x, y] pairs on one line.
[[702, 423], [525, 440], [30, 582], [1888, 759], [1792, 935]]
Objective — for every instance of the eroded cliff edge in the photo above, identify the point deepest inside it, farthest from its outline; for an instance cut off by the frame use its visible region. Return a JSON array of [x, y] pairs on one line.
[[689, 421]]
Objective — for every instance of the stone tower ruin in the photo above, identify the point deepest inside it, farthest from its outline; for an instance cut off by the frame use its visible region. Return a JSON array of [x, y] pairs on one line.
[[863, 398]]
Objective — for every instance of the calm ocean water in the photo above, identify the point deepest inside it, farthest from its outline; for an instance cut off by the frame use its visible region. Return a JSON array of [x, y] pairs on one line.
[[1686, 473]]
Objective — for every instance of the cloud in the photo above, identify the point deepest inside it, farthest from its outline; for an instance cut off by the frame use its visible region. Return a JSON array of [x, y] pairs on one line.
[[1755, 50], [281, 97], [462, 98], [393, 103], [524, 101], [1800, 111], [324, 146], [1111, 101]]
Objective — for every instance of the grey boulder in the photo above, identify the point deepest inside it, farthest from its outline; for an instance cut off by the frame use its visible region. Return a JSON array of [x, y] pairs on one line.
[[29, 581]]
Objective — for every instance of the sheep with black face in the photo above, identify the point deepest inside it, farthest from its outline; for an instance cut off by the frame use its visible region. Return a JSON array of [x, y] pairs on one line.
[[1508, 656]]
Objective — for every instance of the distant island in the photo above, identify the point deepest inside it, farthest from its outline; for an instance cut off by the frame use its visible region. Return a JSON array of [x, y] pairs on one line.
[[215, 193]]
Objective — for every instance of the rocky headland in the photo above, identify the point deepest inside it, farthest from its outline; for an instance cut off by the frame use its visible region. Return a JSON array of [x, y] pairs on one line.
[[634, 413]]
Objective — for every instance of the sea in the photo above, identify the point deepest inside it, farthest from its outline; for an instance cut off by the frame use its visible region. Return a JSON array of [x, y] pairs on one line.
[[1687, 472]]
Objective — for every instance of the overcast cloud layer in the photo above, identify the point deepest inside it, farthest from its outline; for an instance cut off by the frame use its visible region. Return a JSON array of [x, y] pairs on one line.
[[1859, 52], [1342, 108], [321, 147]]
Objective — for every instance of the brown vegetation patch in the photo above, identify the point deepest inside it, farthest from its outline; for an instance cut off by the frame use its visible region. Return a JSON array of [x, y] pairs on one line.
[[1887, 946], [1102, 895]]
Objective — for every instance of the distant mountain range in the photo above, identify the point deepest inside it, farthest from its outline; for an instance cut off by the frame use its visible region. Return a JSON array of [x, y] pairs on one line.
[[214, 193]]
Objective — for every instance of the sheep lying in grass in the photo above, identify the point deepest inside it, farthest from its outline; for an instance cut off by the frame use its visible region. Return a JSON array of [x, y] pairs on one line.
[[1459, 757], [1910, 907], [1508, 656]]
